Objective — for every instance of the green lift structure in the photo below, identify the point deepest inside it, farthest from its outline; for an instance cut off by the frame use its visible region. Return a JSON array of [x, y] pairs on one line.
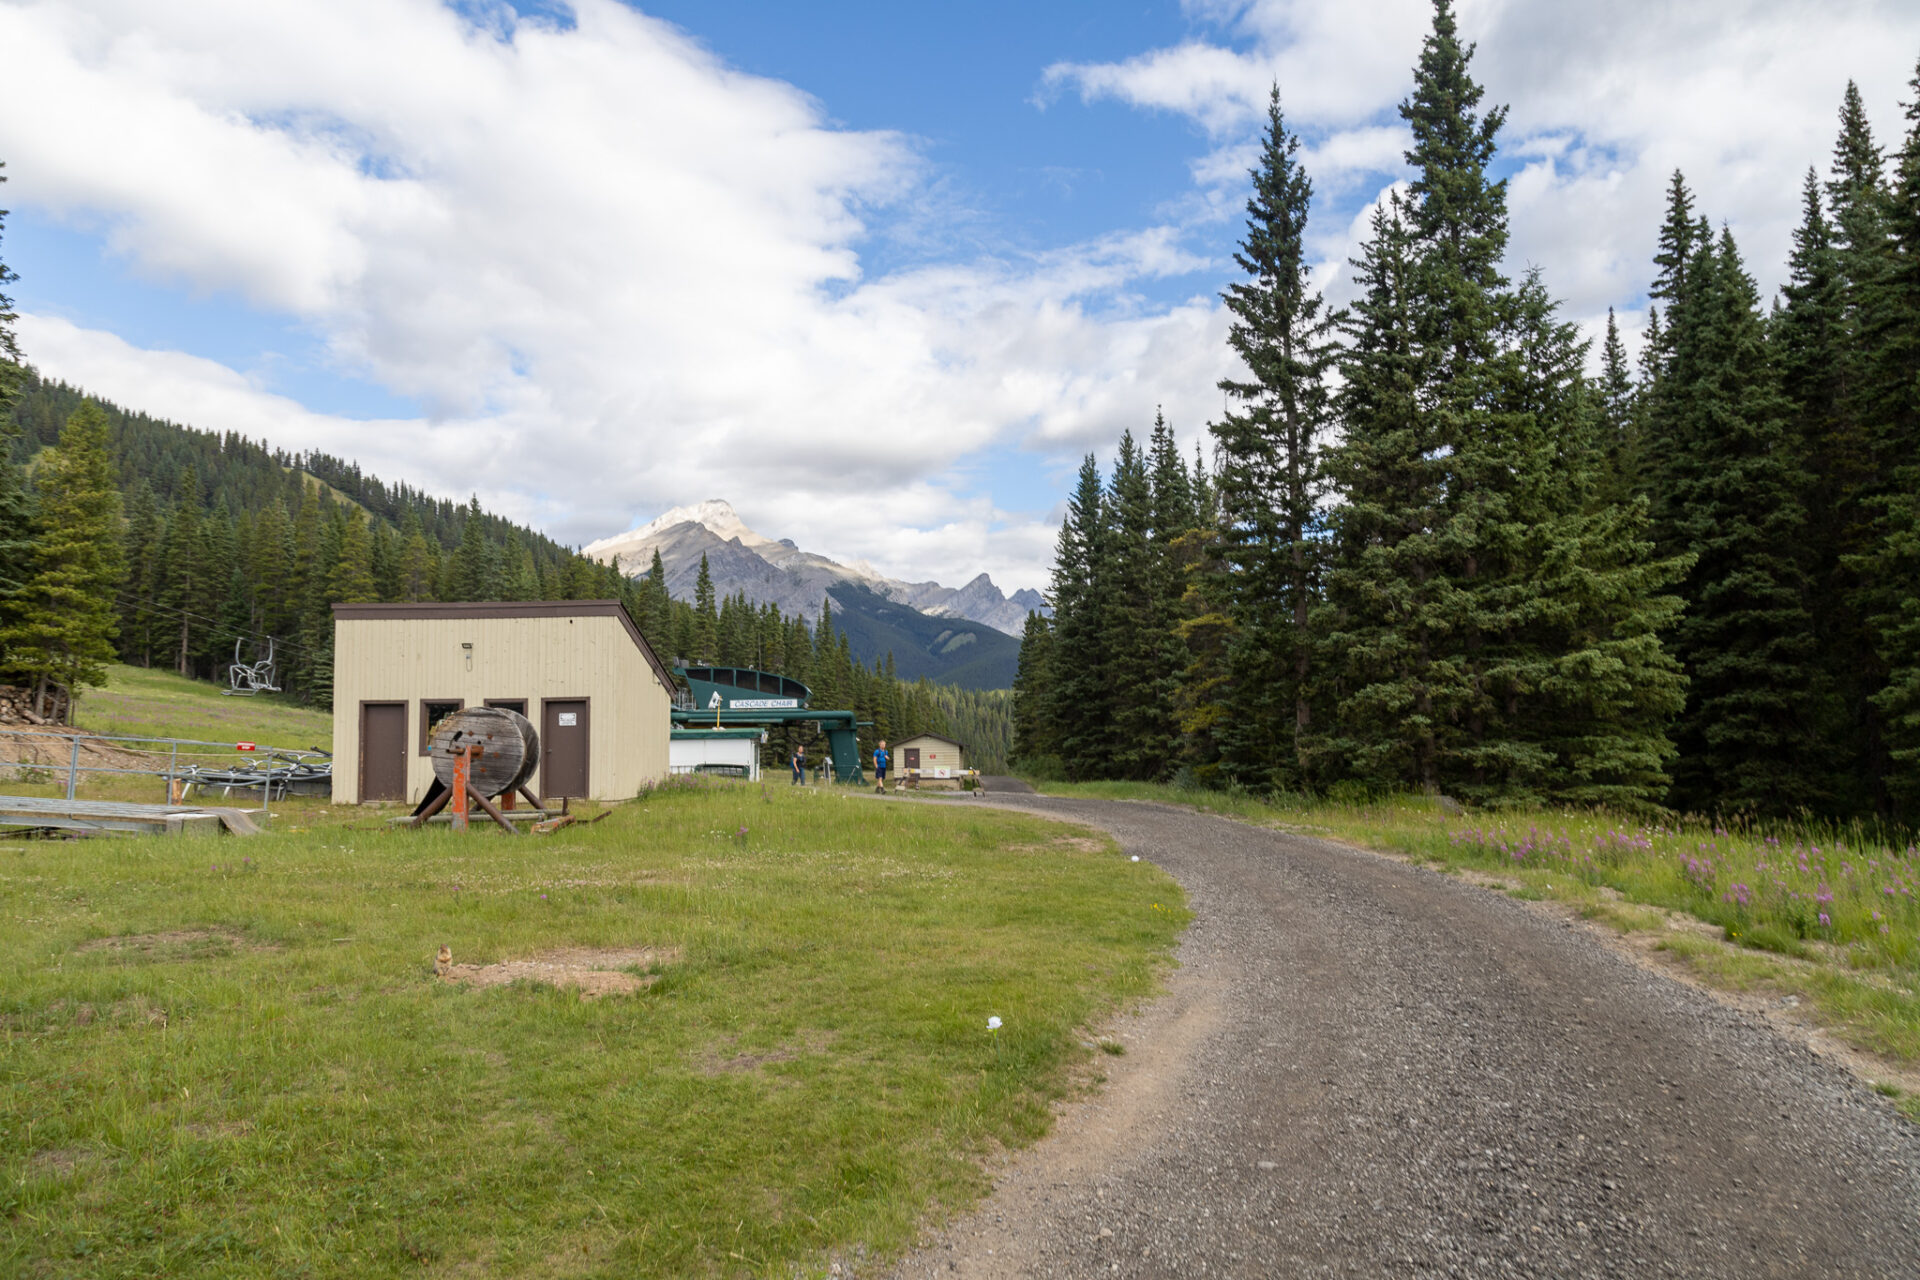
[[730, 697]]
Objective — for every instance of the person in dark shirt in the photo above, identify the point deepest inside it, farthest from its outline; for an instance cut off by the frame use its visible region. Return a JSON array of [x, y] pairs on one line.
[[799, 763]]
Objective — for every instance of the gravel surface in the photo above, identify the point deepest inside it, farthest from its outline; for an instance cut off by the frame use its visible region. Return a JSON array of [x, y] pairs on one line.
[[1367, 1069]]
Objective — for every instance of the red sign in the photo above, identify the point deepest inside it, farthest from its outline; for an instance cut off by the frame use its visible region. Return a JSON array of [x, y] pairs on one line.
[[243, 746]]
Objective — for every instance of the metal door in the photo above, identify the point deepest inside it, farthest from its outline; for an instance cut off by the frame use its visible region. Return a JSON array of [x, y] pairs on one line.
[[564, 757], [913, 757], [383, 751]]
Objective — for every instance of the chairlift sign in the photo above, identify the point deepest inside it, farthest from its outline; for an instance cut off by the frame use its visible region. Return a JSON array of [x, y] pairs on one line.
[[761, 704]]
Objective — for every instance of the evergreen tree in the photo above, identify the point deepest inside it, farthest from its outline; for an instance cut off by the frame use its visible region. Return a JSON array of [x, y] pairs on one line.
[[62, 635], [1270, 478], [185, 566], [417, 567], [1620, 421], [10, 358], [1814, 354], [351, 579], [1730, 493], [1387, 616], [1588, 689], [1888, 569], [1140, 667], [139, 612], [1080, 706], [706, 636], [1032, 740], [475, 573]]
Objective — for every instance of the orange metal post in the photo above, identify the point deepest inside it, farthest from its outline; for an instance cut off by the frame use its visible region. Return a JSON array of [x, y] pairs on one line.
[[462, 765]]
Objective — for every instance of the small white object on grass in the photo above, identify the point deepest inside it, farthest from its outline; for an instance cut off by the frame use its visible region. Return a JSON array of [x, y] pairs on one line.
[[993, 1023], [1136, 857]]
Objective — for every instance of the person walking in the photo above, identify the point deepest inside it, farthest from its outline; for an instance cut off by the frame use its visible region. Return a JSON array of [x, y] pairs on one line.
[[880, 758], [799, 763]]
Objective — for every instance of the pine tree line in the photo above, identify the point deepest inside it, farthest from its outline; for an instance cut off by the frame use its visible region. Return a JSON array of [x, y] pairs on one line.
[[139, 541], [1434, 554]]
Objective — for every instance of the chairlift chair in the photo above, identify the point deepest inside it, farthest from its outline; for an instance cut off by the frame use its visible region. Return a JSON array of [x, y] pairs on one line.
[[246, 679]]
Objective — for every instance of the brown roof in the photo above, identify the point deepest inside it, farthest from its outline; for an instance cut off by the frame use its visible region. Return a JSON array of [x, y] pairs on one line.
[[507, 609]]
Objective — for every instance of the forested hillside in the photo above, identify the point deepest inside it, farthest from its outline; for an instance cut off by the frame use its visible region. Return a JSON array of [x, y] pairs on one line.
[[125, 537], [1433, 553]]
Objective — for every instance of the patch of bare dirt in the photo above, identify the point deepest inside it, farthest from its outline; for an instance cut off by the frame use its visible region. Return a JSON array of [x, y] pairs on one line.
[[58, 1162], [713, 1064], [52, 746], [172, 944], [223, 1129], [592, 971], [1066, 844]]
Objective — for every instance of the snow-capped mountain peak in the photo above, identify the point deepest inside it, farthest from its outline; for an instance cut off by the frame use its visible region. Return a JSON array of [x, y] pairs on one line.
[[778, 571]]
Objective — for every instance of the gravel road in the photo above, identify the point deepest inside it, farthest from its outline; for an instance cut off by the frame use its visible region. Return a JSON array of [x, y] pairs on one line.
[[1366, 1069]]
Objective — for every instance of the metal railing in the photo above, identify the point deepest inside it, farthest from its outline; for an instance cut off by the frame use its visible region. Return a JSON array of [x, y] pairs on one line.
[[181, 763]]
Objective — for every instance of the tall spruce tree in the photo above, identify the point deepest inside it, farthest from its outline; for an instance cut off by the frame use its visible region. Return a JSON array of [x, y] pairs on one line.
[[1141, 662], [1032, 739], [1467, 480], [187, 572], [1888, 569], [1386, 621], [1809, 334], [1080, 699], [1271, 473], [62, 635], [1588, 688], [1730, 491], [1620, 460], [706, 612]]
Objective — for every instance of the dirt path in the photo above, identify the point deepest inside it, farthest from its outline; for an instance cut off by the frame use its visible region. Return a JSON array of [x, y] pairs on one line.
[[1366, 1069]]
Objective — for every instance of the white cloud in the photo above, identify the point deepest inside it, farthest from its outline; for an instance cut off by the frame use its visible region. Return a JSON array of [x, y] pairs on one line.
[[622, 276], [619, 274], [1606, 101]]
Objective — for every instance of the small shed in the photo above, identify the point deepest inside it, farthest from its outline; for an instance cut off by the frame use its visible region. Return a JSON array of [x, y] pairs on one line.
[[579, 669], [930, 755], [733, 753]]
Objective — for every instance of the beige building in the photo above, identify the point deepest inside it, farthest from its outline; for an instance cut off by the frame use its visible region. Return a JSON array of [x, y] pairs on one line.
[[579, 669], [930, 756]]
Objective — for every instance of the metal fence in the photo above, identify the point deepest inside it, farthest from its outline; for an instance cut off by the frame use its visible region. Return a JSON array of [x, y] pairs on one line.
[[183, 765]]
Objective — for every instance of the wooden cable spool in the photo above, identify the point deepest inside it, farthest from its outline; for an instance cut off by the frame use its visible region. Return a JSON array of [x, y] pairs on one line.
[[509, 748]]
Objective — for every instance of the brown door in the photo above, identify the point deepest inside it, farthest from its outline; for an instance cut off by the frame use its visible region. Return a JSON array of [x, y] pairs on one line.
[[913, 757], [383, 751], [563, 748]]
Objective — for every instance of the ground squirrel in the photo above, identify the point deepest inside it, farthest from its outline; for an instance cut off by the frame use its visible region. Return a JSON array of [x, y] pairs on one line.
[[443, 963]]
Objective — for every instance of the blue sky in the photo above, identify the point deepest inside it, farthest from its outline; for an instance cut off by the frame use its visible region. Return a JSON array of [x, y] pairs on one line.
[[876, 274]]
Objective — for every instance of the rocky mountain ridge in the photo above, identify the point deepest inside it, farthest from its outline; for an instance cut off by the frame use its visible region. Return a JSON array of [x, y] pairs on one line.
[[767, 569]]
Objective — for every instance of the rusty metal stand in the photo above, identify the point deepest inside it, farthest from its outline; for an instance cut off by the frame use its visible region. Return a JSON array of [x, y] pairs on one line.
[[463, 792]]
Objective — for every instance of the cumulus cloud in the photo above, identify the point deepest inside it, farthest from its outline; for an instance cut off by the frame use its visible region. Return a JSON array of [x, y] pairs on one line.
[[621, 275], [1606, 101], [618, 274]]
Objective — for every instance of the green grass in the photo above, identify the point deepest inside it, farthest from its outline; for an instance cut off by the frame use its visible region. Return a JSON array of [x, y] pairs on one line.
[[159, 704], [284, 1089], [1831, 915], [137, 703]]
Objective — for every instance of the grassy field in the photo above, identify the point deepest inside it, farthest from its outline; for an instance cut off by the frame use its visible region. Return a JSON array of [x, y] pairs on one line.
[[1830, 915], [137, 703], [232, 1057], [159, 704]]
